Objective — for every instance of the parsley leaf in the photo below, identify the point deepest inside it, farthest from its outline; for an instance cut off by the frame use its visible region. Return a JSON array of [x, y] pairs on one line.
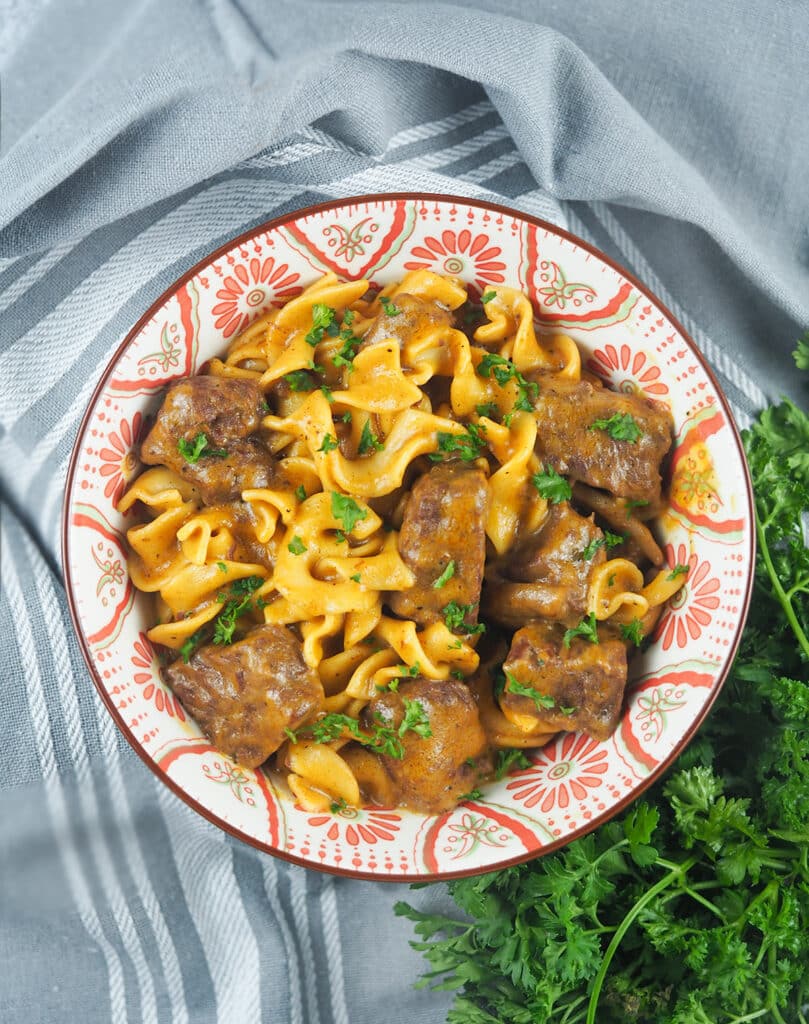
[[391, 309], [347, 511], [300, 492], [503, 370], [486, 409], [632, 631], [356, 577], [468, 446], [678, 570], [368, 440], [632, 503], [488, 296], [551, 486], [611, 540], [543, 701], [621, 426], [586, 629], [192, 643], [329, 444], [415, 719], [509, 759], [199, 448], [296, 546], [455, 615], [446, 575], [299, 380], [322, 317]]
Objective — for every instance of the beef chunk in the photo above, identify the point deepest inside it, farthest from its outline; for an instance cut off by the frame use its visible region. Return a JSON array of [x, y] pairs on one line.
[[552, 578], [436, 770], [245, 695], [586, 680], [444, 521], [415, 315], [565, 413], [226, 411]]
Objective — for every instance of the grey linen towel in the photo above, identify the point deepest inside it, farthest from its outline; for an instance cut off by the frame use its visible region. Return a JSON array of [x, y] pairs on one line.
[[136, 138]]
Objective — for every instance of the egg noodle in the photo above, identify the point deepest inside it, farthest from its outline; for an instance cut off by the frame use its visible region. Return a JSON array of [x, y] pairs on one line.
[[331, 530]]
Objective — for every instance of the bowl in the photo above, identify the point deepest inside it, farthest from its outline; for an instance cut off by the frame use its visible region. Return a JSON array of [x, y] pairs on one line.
[[627, 337]]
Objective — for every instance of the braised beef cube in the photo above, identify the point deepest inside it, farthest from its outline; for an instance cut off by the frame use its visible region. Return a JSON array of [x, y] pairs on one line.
[[580, 687], [567, 438], [414, 315], [437, 769], [202, 432], [552, 569], [443, 533], [245, 695]]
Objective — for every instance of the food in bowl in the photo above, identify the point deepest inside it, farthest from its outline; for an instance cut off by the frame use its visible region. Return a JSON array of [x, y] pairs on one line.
[[396, 536]]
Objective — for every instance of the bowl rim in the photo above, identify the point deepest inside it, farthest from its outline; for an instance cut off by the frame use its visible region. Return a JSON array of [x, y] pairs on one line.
[[176, 788]]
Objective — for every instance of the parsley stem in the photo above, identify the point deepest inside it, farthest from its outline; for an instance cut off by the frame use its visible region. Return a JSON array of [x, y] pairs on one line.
[[783, 599], [625, 925]]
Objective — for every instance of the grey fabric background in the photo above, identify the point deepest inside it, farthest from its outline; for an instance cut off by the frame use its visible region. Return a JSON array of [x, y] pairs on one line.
[[134, 139]]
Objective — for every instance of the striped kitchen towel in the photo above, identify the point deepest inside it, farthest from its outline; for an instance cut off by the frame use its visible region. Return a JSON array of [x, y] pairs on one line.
[[135, 140]]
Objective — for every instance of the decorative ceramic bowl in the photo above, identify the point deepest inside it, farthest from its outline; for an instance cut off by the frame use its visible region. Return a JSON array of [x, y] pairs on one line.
[[627, 337]]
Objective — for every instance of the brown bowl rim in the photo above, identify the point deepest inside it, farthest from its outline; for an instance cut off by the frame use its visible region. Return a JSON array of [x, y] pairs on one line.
[[272, 225]]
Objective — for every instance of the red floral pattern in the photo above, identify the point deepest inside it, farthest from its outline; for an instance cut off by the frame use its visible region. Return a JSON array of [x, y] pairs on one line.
[[250, 291], [563, 772], [627, 371], [457, 252], [144, 660], [357, 826], [119, 463], [689, 611]]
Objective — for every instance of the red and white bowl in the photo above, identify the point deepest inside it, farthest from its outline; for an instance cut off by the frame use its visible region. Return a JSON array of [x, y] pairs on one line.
[[627, 337]]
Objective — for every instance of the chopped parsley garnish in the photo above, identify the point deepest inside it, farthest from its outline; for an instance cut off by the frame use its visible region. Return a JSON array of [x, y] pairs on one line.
[[346, 417], [446, 575], [486, 409], [290, 735], [221, 566], [551, 486], [633, 632], [347, 511], [678, 570], [473, 794], [586, 629], [329, 444], [337, 805], [225, 622], [468, 446], [299, 380], [621, 426], [508, 759], [503, 370], [246, 585], [455, 615], [488, 296], [300, 492], [356, 577], [296, 546], [199, 448], [348, 317], [368, 440], [391, 309], [543, 701], [381, 738], [344, 356], [632, 503], [191, 644], [610, 539], [457, 673], [327, 393], [340, 537], [322, 317], [415, 719]]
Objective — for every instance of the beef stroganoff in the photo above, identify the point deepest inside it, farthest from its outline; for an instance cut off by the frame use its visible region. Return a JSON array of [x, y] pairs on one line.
[[396, 539]]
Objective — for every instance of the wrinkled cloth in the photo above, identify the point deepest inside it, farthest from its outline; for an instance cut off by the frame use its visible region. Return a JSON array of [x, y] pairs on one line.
[[136, 138]]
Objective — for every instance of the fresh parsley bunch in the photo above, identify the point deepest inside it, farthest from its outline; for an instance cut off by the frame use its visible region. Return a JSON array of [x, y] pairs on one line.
[[693, 907]]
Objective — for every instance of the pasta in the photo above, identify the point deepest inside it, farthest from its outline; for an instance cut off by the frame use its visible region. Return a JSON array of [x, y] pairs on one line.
[[331, 506]]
